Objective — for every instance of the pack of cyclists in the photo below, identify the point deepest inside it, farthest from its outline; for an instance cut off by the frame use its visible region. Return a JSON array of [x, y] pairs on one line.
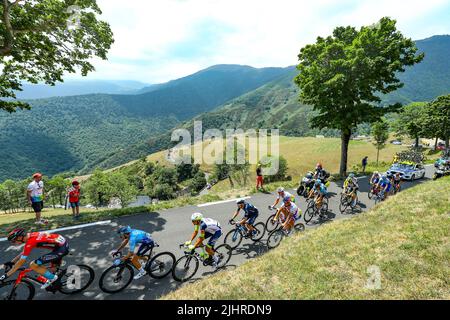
[[140, 242]]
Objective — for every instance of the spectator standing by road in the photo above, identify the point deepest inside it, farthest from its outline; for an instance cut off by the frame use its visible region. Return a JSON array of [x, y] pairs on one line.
[[259, 177], [74, 199], [35, 196], [364, 164]]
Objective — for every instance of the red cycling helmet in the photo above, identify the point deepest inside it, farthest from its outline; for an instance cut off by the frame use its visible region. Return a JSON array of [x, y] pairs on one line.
[[13, 235], [75, 183]]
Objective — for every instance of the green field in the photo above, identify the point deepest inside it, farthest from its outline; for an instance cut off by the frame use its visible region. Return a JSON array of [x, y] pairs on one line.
[[406, 238]]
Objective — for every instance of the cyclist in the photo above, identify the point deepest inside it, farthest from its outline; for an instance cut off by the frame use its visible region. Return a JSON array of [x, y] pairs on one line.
[[290, 213], [133, 237], [250, 215], [375, 178], [58, 245], [320, 173], [351, 188], [209, 229], [384, 186], [318, 192], [282, 194], [397, 181]]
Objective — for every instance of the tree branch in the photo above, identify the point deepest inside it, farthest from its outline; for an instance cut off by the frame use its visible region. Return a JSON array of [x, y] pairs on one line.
[[9, 35]]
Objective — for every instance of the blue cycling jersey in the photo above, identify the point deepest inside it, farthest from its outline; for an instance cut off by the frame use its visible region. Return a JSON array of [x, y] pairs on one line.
[[138, 237], [323, 189], [250, 210]]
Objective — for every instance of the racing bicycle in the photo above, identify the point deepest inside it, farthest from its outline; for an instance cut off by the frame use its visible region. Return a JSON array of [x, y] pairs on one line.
[[234, 237], [72, 280], [119, 276], [187, 266]]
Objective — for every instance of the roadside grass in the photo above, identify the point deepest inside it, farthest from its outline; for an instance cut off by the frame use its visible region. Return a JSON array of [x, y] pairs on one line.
[[61, 218], [407, 238]]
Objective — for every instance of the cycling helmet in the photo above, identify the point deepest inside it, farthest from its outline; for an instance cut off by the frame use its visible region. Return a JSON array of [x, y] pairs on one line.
[[280, 189], [37, 175], [319, 166], [287, 199], [240, 201], [318, 182], [351, 175], [13, 235], [124, 230], [75, 183], [197, 216], [384, 177], [309, 175], [376, 173]]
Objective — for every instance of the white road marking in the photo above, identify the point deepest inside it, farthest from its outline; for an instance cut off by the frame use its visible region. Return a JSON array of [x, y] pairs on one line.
[[220, 202], [73, 227]]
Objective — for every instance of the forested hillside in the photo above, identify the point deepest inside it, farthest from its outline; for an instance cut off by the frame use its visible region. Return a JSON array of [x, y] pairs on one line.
[[79, 87], [276, 106], [79, 133]]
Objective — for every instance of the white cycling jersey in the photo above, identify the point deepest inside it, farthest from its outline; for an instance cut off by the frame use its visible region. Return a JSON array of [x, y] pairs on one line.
[[209, 225]]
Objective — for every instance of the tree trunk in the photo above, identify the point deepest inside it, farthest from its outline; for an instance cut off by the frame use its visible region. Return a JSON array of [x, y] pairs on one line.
[[417, 142], [378, 155], [436, 143], [345, 140], [231, 181]]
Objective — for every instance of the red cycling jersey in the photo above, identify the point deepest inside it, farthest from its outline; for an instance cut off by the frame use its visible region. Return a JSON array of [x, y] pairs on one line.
[[42, 240], [74, 195]]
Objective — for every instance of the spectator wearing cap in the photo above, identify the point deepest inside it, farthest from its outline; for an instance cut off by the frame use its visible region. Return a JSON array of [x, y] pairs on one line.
[[74, 199], [35, 196]]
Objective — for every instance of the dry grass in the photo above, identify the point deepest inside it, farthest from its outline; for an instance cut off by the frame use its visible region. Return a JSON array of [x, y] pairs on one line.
[[407, 238]]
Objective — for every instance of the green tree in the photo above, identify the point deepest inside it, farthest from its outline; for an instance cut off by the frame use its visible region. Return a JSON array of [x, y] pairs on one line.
[[436, 120], [41, 40], [97, 189], [281, 174], [56, 188], [342, 76], [198, 182], [410, 121], [186, 171], [380, 134], [122, 188]]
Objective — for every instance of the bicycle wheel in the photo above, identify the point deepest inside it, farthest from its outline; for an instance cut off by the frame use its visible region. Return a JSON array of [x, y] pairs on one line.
[[233, 238], [185, 268], [116, 278], [299, 227], [22, 291], [275, 238], [260, 232], [270, 225], [344, 204], [160, 265], [370, 194], [224, 253], [76, 279], [309, 215]]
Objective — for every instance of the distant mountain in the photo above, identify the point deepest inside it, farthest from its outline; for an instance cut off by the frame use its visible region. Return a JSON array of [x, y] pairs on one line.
[[430, 78], [78, 133], [275, 105], [80, 87]]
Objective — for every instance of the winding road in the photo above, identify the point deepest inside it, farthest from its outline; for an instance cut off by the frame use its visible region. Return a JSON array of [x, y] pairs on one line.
[[91, 245]]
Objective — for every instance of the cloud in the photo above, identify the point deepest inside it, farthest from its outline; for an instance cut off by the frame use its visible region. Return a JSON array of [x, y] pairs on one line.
[[159, 40]]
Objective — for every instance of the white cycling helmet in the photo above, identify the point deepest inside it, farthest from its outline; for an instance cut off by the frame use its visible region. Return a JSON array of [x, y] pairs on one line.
[[197, 216], [280, 189]]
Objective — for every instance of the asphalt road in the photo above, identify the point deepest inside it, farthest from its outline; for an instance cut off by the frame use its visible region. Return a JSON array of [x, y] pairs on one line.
[[169, 228]]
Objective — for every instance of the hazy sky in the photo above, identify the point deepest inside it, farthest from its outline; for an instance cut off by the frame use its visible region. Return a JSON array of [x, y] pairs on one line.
[[160, 40]]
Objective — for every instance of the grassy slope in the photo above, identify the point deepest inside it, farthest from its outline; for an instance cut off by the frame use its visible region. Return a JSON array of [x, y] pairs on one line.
[[407, 237]]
